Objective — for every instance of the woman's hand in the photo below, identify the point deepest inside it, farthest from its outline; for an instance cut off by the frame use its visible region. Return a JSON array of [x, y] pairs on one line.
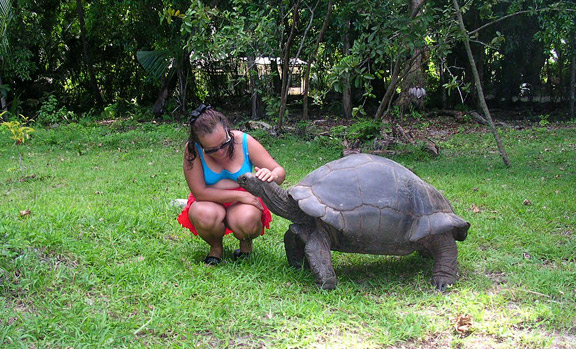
[[265, 175], [250, 199]]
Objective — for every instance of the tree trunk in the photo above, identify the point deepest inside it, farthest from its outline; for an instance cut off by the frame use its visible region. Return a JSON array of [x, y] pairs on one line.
[[478, 84], [573, 76], [394, 79], [159, 105], [415, 76], [286, 64], [87, 57], [3, 104], [255, 96], [182, 73], [442, 82], [573, 86], [415, 7], [347, 90], [312, 59], [560, 64], [274, 75]]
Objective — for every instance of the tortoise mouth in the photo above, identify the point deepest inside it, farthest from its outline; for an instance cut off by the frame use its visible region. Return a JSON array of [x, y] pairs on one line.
[[242, 179], [247, 181]]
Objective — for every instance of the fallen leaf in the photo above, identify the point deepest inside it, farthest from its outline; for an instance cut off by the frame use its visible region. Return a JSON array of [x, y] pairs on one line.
[[463, 324], [25, 213], [526, 255], [527, 202], [476, 209]]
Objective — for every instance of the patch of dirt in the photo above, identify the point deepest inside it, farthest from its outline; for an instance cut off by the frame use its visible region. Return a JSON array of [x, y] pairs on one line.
[[484, 341]]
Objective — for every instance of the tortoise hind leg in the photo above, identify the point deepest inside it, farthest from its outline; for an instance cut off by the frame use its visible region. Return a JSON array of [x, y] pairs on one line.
[[295, 247], [445, 252]]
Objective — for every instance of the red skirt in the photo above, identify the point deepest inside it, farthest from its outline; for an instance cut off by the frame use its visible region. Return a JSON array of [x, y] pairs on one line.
[[184, 220]]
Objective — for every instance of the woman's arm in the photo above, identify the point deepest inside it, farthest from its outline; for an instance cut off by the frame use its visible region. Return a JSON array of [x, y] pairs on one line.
[[267, 169], [194, 175]]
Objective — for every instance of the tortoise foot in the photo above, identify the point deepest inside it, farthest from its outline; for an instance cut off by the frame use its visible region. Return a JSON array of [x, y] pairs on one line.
[[329, 284], [442, 282]]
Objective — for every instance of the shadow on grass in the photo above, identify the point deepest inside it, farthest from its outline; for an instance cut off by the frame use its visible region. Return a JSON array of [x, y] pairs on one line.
[[377, 272]]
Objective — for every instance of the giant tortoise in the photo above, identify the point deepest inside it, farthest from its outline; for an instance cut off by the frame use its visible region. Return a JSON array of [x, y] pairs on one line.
[[363, 204]]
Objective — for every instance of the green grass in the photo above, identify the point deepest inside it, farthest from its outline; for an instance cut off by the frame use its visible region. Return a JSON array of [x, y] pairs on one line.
[[101, 260]]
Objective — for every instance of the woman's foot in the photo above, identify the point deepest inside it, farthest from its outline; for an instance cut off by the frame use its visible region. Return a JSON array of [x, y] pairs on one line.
[[239, 255], [212, 260]]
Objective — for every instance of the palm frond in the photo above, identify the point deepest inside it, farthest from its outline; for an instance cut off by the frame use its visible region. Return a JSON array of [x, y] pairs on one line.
[[156, 62], [5, 18]]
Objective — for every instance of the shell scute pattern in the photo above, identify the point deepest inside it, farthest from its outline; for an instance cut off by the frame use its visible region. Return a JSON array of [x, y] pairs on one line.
[[370, 193]]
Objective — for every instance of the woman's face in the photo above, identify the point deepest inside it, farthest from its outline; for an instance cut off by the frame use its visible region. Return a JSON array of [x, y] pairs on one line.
[[215, 144]]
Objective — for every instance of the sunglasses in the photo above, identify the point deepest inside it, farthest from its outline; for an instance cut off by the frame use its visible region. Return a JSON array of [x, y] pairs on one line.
[[222, 146]]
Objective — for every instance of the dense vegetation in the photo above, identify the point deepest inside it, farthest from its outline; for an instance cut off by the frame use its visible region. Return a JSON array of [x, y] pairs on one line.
[[66, 60]]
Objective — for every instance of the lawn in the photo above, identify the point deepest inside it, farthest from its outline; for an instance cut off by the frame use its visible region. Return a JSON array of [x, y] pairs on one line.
[[91, 253]]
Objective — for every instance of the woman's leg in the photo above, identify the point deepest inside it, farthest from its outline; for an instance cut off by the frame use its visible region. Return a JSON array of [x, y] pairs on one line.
[[246, 223], [208, 219]]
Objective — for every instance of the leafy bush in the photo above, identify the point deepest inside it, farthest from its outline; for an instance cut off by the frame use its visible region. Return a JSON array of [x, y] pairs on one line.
[[49, 112], [364, 130]]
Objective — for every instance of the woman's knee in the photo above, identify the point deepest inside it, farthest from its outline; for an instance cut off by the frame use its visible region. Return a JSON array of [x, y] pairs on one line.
[[245, 222], [206, 215]]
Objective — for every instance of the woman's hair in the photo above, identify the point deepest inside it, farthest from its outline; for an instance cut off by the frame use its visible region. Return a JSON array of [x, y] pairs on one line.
[[203, 121]]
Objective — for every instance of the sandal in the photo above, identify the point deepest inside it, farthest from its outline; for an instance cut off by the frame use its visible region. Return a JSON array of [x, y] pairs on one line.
[[238, 255], [211, 260]]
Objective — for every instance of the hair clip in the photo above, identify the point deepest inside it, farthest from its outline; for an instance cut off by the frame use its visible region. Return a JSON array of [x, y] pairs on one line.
[[195, 114]]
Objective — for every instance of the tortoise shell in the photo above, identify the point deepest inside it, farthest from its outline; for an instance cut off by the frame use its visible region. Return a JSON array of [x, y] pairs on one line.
[[367, 193]]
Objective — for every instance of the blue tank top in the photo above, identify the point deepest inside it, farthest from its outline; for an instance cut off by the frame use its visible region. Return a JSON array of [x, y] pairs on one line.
[[211, 177]]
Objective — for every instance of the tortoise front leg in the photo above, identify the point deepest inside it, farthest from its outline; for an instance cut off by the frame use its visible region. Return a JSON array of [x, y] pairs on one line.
[[318, 253], [445, 252], [295, 247]]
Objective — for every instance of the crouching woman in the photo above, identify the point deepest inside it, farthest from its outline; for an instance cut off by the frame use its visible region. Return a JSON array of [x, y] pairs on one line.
[[215, 156]]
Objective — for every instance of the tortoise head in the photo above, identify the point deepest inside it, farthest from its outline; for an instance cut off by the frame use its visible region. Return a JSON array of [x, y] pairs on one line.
[[253, 185]]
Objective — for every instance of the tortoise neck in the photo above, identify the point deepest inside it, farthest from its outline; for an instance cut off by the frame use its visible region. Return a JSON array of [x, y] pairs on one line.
[[282, 204]]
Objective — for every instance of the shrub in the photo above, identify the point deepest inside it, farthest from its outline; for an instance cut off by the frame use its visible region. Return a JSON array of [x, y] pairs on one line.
[[49, 112]]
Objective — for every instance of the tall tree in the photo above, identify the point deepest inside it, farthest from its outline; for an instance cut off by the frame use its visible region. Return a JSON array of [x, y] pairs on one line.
[[346, 89], [87, 56], [406, 60], [573, 75], [5, 18], [312, 59], [478, 83], [286, 61]]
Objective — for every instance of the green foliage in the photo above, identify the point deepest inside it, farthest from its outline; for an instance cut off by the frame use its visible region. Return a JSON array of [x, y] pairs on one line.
[[42, 50], [156, 63], [273, 104], [364, 130], [19, 130], [5, 18], [50, 112], [544, 120]]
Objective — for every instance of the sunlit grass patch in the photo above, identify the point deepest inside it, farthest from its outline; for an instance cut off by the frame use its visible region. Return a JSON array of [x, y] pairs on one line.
[[91, 253]]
